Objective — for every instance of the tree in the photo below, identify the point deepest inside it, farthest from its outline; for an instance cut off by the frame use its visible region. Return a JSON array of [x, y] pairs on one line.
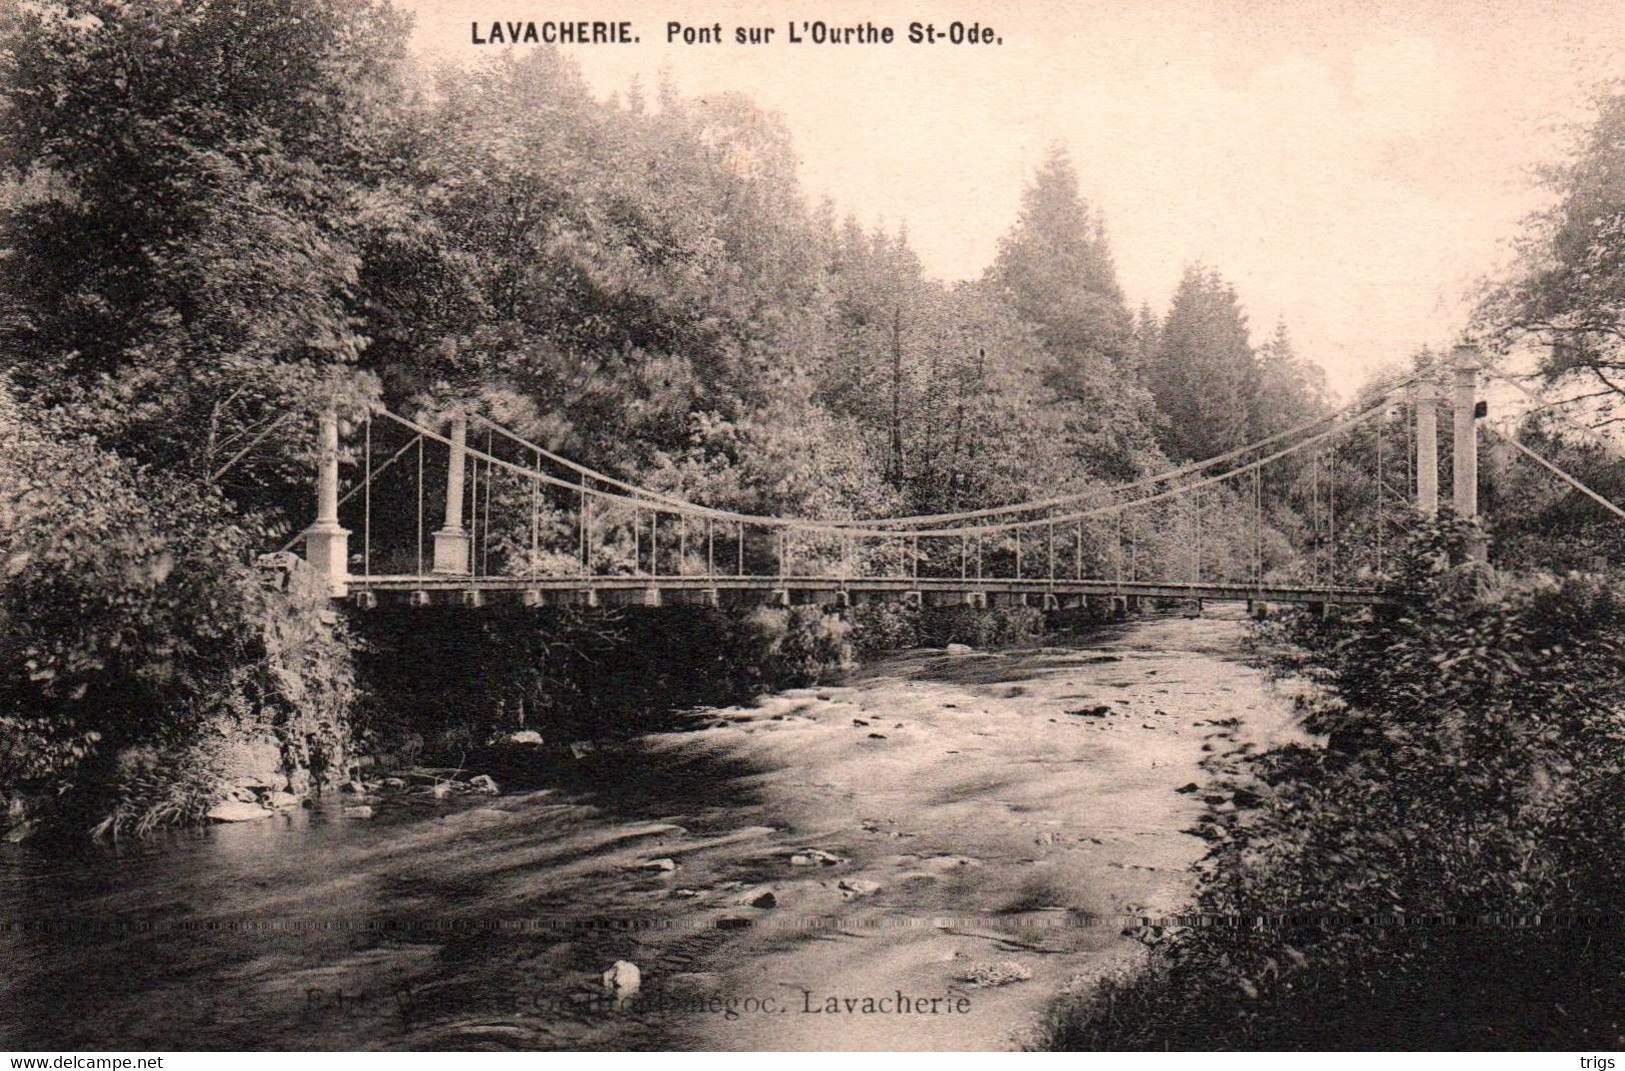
[[1567, 290], [1291, 391], [180, 262], [1147, 337], [1055, 269], [1203, 375]]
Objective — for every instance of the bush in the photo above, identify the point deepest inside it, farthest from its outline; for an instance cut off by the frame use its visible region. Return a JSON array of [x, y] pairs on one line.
[[878, 627], [881, 627], [796, 646], [448, 682], [1474, 778], [129, 619]]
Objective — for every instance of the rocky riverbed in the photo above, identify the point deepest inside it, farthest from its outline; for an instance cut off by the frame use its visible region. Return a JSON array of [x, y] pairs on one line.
[[920, 856]]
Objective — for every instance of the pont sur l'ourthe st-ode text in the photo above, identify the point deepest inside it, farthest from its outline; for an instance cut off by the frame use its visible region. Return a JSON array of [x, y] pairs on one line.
[[801, 32]]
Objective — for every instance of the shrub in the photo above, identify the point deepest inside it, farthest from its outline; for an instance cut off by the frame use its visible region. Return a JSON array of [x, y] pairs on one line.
[[996, 627], [796, 646], [128, 618], [878, 627], [1475, 777]]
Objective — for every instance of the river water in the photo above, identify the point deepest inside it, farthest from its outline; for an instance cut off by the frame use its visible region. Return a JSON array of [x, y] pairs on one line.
[[967, 814]]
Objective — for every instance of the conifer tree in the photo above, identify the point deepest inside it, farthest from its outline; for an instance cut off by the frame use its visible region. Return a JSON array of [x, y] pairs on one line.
[[1204, 375], [1055, 269]]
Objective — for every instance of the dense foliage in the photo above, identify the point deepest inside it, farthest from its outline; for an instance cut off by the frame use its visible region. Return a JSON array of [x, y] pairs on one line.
[[1563, 304], [1566, 291], [1458, 835], [129, 621]]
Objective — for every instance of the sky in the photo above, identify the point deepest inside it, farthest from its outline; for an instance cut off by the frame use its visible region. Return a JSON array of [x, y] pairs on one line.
[[1356, 169]]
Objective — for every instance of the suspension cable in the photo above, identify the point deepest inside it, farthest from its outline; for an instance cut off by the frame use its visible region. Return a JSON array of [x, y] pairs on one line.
[[1554, 469], [833, 527], [1551, 406], [360, 487], [1258, 527], [419, 440], [1190, 468]]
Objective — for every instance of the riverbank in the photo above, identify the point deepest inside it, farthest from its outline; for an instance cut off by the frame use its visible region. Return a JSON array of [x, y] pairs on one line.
[[936, 817], [1445, 873]]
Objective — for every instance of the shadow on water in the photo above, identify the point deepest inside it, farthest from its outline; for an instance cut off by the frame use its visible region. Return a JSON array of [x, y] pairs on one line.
[[630, 780], [475, 924], [431, 926], [1002, 666]]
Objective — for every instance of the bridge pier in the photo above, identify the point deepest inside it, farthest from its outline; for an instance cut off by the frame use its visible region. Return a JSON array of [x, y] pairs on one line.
[[1258, 609], [1427, 449], [828, 598], [451, 542], [1464, 464], [327, 545], [645, 597], [944, 599]]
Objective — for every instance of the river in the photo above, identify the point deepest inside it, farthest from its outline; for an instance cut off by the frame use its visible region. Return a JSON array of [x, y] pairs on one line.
[[934, 821]]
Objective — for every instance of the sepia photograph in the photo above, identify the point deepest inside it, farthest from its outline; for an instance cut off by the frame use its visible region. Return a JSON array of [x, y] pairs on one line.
[[709, 526]]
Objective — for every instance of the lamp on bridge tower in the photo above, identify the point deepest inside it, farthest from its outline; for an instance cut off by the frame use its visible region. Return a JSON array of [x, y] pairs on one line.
[[451, 542], [327, 545]]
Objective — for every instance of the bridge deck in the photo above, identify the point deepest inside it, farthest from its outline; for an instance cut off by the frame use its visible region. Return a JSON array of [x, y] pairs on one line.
[[678, 590]]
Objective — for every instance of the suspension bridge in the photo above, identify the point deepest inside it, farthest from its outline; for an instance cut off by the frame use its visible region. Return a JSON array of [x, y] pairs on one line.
[[462, 510]]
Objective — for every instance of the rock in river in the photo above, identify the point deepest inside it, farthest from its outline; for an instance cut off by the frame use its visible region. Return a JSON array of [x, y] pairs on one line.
[[763, 898], [237, 811], [853, 888], [623, 980]]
